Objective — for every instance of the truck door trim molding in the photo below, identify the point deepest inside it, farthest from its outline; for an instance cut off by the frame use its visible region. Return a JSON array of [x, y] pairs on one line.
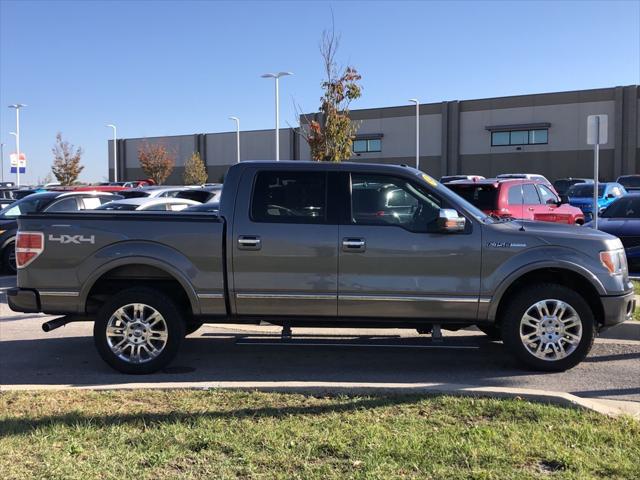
[[59, 294], [408, 298], [284, 296], [207, 296]]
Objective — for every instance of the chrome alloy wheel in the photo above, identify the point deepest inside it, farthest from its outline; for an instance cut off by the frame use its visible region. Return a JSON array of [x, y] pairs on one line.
[[551, 329], [137, 333]]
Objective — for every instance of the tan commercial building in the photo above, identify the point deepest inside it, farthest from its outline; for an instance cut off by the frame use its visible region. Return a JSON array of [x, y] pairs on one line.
[[539, 133]]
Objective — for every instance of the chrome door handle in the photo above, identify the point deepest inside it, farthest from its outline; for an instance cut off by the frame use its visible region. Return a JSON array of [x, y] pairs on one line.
[[353, 245], [249, 242]]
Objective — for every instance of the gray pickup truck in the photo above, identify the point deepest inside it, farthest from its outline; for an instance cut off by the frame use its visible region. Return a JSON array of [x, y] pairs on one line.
[[318, 244]]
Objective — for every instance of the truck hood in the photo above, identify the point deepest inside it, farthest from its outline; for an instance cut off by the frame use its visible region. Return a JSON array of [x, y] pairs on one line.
[[571, 236]]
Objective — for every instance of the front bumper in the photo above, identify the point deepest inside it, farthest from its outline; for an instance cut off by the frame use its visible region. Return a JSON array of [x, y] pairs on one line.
[[618, 309], [23, 300]]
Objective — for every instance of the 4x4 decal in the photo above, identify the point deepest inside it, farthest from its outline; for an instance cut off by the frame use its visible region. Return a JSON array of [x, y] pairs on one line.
[[76, 239]]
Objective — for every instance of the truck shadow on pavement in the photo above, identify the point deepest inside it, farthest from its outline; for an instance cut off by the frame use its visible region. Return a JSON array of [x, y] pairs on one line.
[[73, 361]]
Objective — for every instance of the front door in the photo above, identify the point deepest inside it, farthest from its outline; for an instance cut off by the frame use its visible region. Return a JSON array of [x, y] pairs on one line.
[[393, 263], [285, 254]]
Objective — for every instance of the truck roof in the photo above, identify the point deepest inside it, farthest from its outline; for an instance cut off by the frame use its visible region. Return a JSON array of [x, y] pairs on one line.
[[304, 164]]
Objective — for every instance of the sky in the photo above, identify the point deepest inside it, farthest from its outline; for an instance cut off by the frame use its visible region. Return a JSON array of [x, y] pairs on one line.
[[179, 67]]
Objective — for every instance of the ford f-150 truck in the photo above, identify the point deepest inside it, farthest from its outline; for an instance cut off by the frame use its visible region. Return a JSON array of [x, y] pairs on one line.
[[321, 244]]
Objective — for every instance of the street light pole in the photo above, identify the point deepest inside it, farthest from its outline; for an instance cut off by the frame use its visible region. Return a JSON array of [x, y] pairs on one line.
[[277, 76], [415, 100], [17, 107], [237, 120], [2, 162], [115, 152]]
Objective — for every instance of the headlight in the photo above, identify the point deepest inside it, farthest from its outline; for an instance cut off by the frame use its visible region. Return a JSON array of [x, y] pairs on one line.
[[615, 261]]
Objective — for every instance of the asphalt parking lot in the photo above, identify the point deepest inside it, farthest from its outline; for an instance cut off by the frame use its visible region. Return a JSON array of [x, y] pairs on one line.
[[229, 355]]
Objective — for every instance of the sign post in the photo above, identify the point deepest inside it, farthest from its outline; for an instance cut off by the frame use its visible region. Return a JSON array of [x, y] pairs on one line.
[[18, 163], [597, 134]]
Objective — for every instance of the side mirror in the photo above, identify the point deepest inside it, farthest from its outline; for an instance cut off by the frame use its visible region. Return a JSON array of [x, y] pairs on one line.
[[564, 199], [450, 221]]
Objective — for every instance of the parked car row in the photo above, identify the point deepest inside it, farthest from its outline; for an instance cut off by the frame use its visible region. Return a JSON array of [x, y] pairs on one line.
[[145, 198], [567, 200]]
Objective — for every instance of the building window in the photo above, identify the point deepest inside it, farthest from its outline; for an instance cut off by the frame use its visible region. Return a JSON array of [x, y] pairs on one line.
[[520, 137], [365, 146]]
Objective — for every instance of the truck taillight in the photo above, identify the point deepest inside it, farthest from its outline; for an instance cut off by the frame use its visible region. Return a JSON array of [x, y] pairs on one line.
[[29, 245]]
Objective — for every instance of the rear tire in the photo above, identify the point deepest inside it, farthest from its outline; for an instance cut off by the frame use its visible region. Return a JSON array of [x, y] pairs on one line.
[[548, 327], [138, 331], [9, 258]]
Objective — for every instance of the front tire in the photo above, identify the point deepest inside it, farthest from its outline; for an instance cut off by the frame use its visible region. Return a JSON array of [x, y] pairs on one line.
[[138, 331], [548, 327]]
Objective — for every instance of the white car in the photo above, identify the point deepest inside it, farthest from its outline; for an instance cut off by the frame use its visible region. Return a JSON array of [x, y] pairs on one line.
[[149, 204], [154, 192], [528, 176]]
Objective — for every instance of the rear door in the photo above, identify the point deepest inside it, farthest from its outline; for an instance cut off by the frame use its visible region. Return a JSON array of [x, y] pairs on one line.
[[285, 253], [524, 201], [393, 263]]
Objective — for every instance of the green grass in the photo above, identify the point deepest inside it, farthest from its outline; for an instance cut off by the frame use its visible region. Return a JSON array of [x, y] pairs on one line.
[[222, 434]]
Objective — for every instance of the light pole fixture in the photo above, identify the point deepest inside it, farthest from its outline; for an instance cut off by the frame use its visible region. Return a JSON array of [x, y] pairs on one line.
[[415, 100], [277, 76], [115, 152], [237, 120], [17, 107]]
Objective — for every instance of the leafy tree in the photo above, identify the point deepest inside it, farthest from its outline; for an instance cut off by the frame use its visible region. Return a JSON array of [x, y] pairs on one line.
[[195, 173], [156, 162], [66, 161], [330, 139]]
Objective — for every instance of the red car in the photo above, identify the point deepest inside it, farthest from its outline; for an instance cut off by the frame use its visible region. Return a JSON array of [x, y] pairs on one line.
[[516, 198]]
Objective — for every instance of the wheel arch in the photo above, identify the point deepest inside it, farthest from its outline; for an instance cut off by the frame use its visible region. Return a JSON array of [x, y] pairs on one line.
[[562, 273], [144, 271]]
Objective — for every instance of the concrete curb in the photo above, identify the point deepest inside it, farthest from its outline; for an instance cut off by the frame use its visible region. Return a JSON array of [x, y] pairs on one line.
[[612, 408]]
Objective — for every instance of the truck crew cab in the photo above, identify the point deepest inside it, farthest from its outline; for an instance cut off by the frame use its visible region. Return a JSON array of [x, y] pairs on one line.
[[322, 244]]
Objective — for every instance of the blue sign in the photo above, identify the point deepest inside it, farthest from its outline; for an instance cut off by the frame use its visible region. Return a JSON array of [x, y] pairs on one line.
[[15, 169]]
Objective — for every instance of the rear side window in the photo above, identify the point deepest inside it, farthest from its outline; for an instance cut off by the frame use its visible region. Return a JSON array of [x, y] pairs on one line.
[[484, 197], [289, 197], [515, 195], [66, 205]]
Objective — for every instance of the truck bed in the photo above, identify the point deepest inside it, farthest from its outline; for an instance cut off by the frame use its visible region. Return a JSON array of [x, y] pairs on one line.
[[83, 249]]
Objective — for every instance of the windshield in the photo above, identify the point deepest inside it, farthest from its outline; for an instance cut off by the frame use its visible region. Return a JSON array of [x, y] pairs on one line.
[[584, 190], [632, 181], [469, 207], [625, 207], [26, 205]]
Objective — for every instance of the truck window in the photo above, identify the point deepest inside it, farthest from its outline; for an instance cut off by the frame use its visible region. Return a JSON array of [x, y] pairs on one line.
[[384, 200], [530, 194], [546, 194], [289, 197], [66, 205]]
